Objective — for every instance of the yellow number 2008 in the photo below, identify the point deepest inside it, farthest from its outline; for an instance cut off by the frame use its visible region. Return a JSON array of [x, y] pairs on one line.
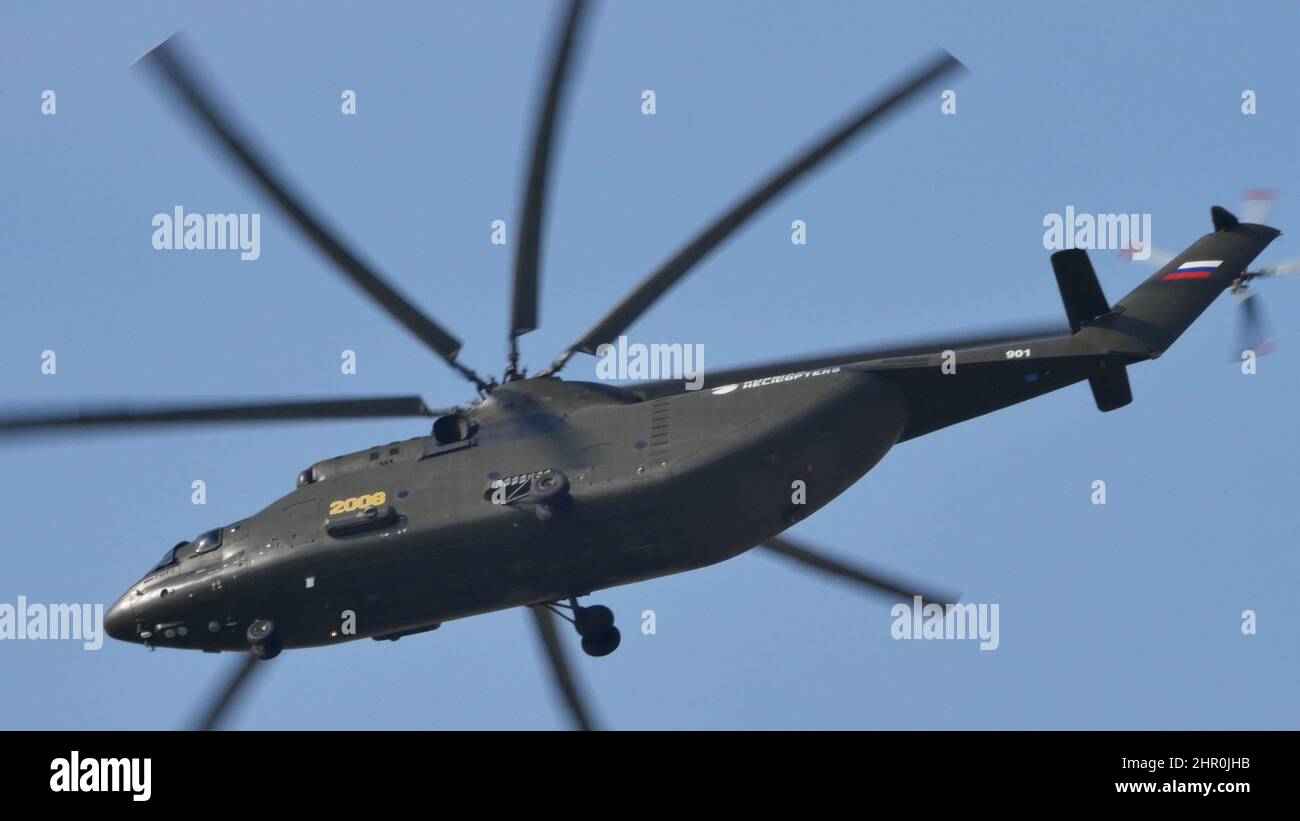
[[358, 503]]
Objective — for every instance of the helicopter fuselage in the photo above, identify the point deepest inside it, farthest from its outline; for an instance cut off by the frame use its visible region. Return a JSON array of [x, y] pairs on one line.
[[400, 538]]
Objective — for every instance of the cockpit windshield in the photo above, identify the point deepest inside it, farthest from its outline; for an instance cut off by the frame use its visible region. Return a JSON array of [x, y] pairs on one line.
[[169, 558], [204, 543]]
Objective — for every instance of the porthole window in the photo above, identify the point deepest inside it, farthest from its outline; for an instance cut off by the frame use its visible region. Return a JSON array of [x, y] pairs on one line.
[[207, 542]]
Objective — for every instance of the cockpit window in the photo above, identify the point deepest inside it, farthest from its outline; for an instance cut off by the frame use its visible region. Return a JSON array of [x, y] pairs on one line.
[[208, 541], [169, 558], [205, 543]]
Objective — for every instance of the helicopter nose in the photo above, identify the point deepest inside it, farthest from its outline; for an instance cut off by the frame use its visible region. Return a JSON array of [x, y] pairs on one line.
[[119, 621]]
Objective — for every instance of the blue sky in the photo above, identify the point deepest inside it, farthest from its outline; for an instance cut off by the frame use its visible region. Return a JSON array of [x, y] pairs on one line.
[[1123, 615]]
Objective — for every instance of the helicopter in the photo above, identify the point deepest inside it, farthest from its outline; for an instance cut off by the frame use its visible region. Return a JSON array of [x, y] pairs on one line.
[[538, 491]]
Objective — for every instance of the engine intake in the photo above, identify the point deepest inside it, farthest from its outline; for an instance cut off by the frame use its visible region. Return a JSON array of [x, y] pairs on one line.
[[454, 427]]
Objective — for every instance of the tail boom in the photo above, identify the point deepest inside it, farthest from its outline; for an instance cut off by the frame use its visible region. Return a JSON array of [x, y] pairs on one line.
[[1102, 342]]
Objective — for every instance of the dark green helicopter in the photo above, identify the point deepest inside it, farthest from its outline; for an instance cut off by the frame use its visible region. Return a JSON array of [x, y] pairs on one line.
[[541, 491]]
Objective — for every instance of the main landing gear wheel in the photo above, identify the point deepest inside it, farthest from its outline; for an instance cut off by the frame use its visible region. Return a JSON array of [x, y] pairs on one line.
[[550, 492], [602, 644], [594, 620], [596, 626], [263, 640]]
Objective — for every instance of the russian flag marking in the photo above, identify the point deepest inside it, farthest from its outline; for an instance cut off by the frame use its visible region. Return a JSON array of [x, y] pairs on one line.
[[1196, 269]]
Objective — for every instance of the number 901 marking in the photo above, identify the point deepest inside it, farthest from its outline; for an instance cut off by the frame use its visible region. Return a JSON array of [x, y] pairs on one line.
[[1018, 353]]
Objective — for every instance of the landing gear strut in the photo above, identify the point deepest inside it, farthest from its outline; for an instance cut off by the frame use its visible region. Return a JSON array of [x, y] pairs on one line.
[[263, 640], [595, 624]]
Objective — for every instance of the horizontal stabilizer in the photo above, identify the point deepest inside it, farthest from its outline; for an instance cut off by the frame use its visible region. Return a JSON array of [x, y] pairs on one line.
[[1110, 388]]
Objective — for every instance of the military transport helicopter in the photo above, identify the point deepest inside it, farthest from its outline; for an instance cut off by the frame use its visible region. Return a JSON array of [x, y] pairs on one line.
[[540, 491]]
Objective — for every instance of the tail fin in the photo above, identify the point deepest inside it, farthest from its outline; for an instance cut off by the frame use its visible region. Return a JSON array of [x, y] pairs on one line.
[[1147, 321]]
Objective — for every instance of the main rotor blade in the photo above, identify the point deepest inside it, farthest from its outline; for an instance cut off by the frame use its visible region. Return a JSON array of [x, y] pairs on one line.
[[215, 712], [523, 305], [173, 66], [672, 271], [545, 621], [282, 411], [974, 339], [872, 580]]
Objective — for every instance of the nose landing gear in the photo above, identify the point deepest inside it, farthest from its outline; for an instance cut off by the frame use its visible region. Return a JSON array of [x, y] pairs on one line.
[[595, 624], [263, 640]]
